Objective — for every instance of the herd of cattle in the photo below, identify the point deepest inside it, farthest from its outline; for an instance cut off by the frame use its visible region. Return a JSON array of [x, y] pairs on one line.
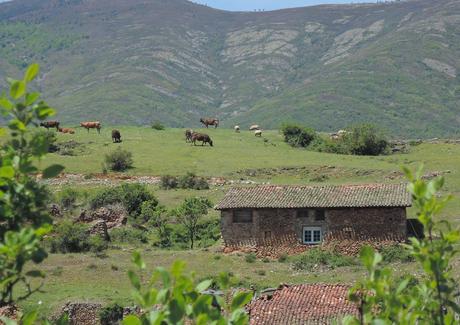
[[190, 135], [193, 137]]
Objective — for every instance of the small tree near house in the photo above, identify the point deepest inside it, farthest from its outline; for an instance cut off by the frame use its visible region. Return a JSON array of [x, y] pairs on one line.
[[190, 213]]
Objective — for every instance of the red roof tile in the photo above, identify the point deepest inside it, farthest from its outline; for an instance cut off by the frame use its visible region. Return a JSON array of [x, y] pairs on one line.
[[301, 304], [327, 196]]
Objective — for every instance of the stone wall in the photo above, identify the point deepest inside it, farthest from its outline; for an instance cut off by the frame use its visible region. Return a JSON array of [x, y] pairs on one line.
[[283, 226]]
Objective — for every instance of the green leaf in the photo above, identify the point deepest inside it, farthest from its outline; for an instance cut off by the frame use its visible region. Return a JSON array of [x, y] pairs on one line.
[[29, 318], [131, 320], [31, 72], [7, 172], [18, 89], [135, 281], [16, 125], [203, 285], [31, 98], [241, 299], [52, 171], [176, 311], [6, 104], [137, 259]]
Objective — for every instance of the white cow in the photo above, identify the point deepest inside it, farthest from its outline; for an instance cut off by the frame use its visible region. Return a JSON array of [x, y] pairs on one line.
[[258, 133], [237, 129], [254, 127]]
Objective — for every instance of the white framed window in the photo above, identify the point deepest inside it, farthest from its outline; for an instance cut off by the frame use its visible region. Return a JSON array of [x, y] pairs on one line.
[[312, 235]]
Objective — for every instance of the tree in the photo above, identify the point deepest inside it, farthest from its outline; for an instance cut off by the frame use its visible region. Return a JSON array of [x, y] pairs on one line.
[[365, 139], [183, 301], [23, 201], [190, 213], [298, 136], [159, 219], [429, 299]]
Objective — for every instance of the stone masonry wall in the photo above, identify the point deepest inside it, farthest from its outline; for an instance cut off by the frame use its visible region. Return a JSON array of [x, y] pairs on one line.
[[283, 226]]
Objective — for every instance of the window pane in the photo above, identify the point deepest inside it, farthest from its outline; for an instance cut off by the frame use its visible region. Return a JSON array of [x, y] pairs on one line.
[[307, 236], [242, 216], [317, 236]]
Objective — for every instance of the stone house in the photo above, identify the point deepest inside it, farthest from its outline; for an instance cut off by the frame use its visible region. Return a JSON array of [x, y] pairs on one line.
[[311, 215]]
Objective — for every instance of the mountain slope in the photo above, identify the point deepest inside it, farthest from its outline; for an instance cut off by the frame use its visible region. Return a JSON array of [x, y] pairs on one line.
[[139, 61]]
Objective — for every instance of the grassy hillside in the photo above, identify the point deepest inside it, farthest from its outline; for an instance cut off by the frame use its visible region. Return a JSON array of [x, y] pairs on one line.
[[135, 62], [244, 157]]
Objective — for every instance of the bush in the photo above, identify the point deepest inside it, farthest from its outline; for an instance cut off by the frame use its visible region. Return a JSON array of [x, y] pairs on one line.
[[191, 181], [365, 140], [168, 182], [187, 181], [158, 126], [298, 136], [148, 209], [97, 244], [118, 160], [67, 198], [396, 253], [325, 144], [69, 237], [129, 235], [111, 314], [282, 258], [250, 258], [131, 196], [317, 257]]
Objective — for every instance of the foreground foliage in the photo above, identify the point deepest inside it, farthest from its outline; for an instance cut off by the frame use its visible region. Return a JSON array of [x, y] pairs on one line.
[[181, 301], [429, 299], [23, 202]]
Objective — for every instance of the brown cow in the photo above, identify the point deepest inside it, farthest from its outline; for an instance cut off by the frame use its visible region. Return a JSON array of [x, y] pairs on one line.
[[210, 121], [188, 135], [204, 138], [50, 124], [66, 130], [92, 125], [116, 136]]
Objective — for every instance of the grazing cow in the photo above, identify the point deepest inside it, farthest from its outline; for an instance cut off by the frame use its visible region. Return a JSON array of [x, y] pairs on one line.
[[237, 129], [66, 130], [258, 133], [92, 125], [188, 135], [204, 138], [116, 136], [254, 127], [50, 124], [210, 121]]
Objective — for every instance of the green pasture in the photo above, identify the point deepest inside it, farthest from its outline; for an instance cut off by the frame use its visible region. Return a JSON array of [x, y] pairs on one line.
[[235, 157]]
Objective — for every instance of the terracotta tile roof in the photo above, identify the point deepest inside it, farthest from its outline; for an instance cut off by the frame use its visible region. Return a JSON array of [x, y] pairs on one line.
[[327, 196], [302, 304]]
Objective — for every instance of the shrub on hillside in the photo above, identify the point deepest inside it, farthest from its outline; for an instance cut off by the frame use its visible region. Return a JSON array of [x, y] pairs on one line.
[[298, 136], [326, 144], [118, 160], [158, 126], [365, 139], [396, 253], [148, 210], [187, 181], [70, 237], [128, 235], [168, 182], [191, 181], [67, 198], [131, 196], [317, 257]]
